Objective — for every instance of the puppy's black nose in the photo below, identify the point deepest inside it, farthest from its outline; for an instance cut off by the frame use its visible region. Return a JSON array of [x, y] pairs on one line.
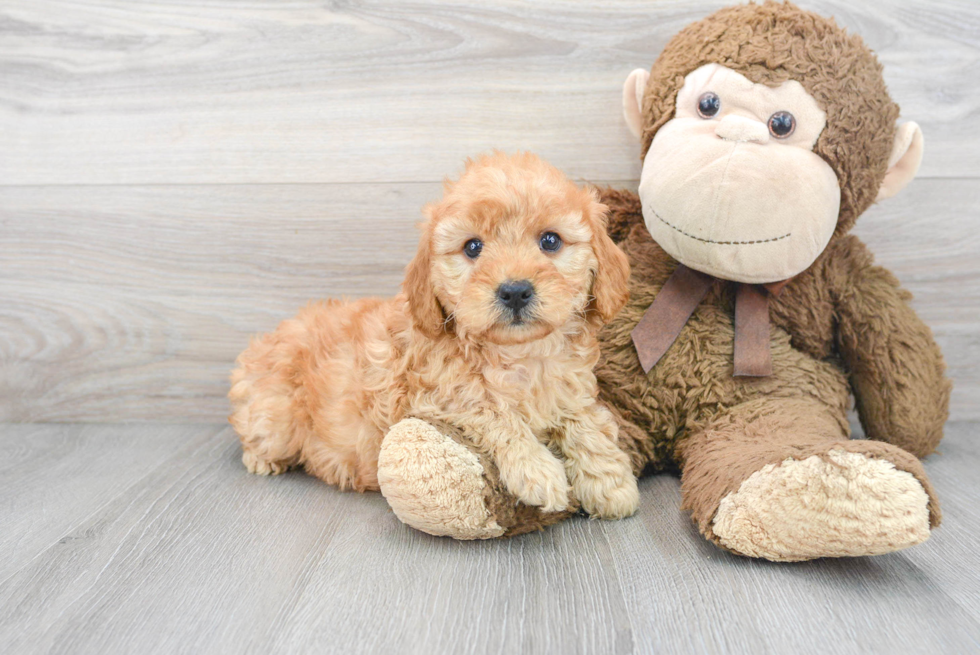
[[515, 294]]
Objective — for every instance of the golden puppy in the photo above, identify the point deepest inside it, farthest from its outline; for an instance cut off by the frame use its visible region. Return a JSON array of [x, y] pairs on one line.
[[494, 332]]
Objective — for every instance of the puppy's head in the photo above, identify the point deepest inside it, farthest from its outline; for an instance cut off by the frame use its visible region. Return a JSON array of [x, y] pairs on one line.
[[512, 252]]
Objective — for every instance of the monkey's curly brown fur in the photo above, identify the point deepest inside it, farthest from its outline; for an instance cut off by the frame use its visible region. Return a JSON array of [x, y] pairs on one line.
[[767, 465], [887, 354], [843, 326], [770, 44]]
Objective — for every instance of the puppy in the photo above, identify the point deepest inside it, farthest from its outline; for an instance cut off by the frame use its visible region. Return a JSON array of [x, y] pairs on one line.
[[494, 332]]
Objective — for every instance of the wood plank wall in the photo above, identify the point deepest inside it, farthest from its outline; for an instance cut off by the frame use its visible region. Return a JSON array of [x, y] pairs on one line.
[[178, 175]]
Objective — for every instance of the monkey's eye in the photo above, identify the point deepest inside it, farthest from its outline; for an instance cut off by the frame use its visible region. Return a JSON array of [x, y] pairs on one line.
[[782, 124], [708, 104], [473, 248], [550, 242]]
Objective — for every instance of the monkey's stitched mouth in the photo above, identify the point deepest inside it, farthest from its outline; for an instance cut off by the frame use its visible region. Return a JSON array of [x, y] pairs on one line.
[[720, 243]]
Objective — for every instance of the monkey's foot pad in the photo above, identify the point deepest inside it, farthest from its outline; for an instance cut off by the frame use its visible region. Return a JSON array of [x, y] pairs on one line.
[[434, 483], [840, 505]]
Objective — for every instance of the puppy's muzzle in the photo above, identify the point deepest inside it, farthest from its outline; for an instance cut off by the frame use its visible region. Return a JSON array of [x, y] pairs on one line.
[[515, 295]]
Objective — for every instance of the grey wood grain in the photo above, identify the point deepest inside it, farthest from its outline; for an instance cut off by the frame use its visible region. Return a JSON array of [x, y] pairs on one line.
[[947, 561], [175, 176], [131, 303], [144, 296], [556, 592], [209, 91], [54, 478], [918, 600], [723, 603], [198, 556], [203, 557]]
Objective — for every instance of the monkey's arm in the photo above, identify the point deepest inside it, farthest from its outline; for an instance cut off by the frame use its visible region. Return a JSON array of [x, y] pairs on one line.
[[624, 211], [896, 368]]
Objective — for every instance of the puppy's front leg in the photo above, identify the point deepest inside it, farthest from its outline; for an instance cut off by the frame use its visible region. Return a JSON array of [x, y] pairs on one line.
[[601, 475], [527, 467]]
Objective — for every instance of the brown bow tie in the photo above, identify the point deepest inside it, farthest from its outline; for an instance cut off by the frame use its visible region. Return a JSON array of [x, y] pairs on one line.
[[680, 296]]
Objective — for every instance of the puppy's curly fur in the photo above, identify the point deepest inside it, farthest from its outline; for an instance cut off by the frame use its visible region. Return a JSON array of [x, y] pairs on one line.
[[323, 389]]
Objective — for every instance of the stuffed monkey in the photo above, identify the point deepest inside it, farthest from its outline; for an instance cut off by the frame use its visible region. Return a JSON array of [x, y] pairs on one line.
[[754, 315]]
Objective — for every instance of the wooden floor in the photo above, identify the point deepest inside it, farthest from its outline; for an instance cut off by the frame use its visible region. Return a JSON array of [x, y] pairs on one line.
[[154, 539], [177, 175]]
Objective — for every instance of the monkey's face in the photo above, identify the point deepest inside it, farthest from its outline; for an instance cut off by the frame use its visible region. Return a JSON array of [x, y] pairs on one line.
[[731, 185]]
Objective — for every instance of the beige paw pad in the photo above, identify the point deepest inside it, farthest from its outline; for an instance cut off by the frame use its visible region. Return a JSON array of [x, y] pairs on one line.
[[433, 483], [843, 505]]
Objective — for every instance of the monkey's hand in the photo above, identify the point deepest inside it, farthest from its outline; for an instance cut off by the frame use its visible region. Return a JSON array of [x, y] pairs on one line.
[[897, 370]]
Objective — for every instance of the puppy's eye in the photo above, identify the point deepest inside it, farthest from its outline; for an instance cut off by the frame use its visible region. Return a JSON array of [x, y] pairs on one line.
[[708, 104], [473, 248], [550, 242]]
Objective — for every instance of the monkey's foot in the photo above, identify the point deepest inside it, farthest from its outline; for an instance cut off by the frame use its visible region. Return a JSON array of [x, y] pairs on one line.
[[436, 482], [842, 504]]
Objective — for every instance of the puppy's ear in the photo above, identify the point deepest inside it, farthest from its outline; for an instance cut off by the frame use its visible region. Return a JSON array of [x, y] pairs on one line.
[[610, 286], [423, 305]]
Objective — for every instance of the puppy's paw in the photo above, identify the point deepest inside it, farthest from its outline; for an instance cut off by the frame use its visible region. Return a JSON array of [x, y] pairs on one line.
[[538, 481], [259, 466], [612, 496]]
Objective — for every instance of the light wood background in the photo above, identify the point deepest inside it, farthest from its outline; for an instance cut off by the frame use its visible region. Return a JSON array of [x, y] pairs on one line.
[[178, 175]]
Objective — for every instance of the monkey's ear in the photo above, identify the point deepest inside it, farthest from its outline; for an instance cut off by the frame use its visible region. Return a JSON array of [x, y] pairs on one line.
[[904, 161], [633, 90]]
